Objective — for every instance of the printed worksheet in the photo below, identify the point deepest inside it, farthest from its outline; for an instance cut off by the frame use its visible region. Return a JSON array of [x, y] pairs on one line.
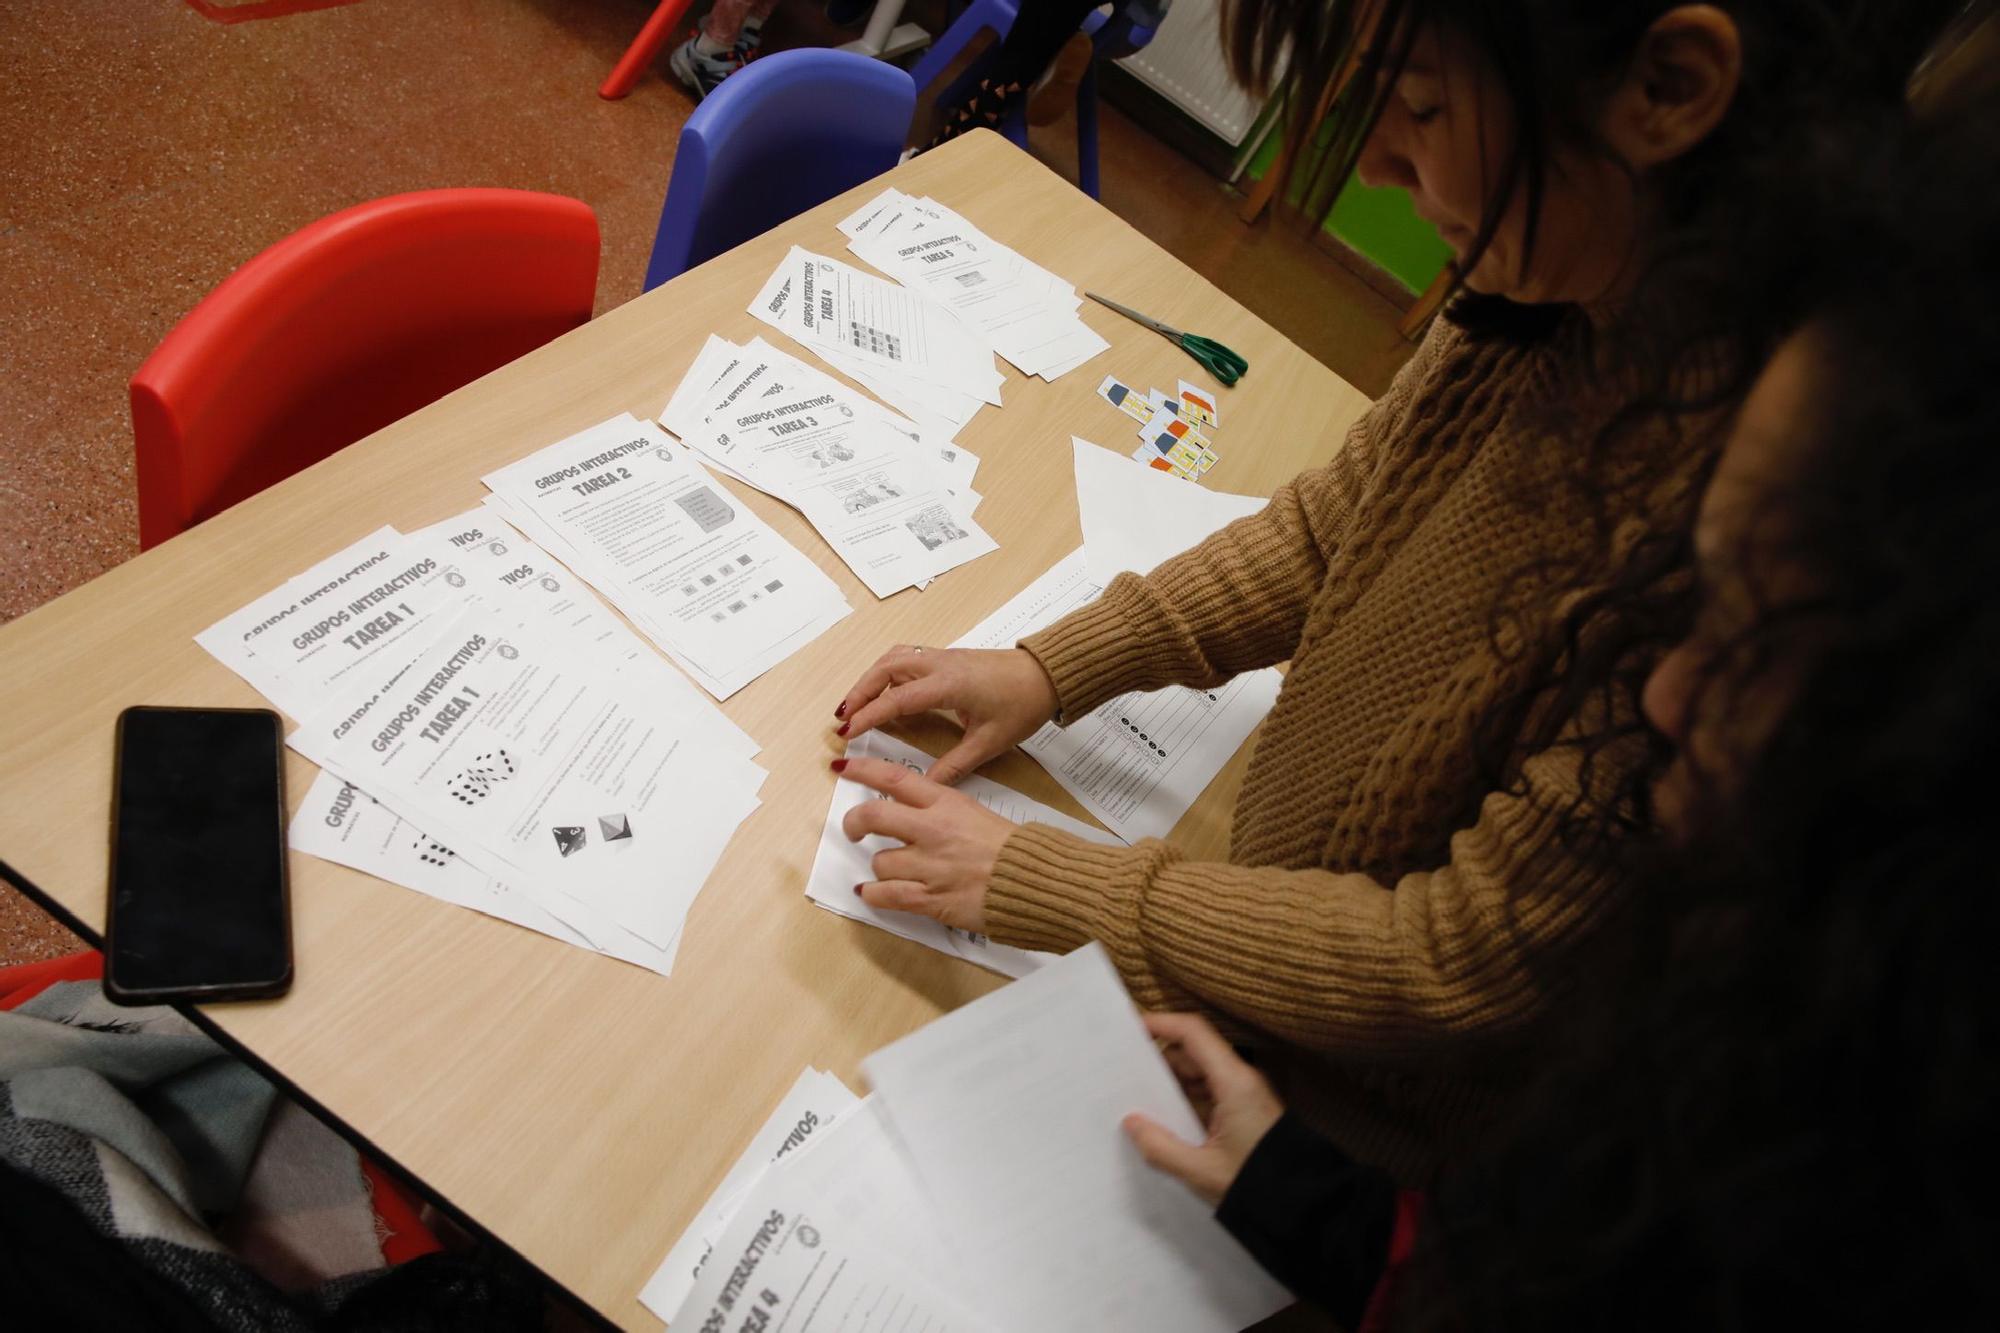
[[712, 385], [494, 564], [923, 361], [1026, 313], [837, 1239], [1008, 1112], [338, 618], [840, 864], [816, 1101], [339, 822], [724, 595], [885, 510], [543, 771], [1138, 761]]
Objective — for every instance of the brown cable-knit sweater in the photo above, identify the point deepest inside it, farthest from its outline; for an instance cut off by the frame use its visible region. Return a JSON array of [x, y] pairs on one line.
[[1363, 916]]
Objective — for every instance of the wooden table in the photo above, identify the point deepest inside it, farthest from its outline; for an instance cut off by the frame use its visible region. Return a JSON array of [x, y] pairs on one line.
[[579, 1108]]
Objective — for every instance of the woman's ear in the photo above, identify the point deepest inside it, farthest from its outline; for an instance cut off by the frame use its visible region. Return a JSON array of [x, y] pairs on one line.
[[1679, 85]]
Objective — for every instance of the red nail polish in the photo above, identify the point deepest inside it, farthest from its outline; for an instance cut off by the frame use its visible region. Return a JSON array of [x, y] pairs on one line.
[[857, 890], [842, 710], [839, 765], [840, 730]]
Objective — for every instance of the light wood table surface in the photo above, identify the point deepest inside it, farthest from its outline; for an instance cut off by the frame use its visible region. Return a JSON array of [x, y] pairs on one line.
[[580, 1108]]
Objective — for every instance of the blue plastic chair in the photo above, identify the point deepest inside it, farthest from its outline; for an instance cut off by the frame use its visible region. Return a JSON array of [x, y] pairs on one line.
[[786, 132], [1125, 30]]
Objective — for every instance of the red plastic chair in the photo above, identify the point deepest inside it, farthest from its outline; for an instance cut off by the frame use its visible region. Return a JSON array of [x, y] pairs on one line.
[[343, 327]]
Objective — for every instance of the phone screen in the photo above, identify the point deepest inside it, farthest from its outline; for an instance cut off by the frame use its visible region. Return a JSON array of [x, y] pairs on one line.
[[198, 903]]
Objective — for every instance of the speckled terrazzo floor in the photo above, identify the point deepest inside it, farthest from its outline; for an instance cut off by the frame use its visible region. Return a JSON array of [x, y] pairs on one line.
[[146, 151]]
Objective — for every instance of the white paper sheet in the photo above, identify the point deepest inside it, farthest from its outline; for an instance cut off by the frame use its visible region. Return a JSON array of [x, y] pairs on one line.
[[493, 564], [876, 322], [1026, 313], [305, 637], [343, 824], [542, 771], [1134, 517], [839, 864], [1140, 760], [885, 510], [816, 1101], [835, 1239], [339, 822], [705, 578], [907, 351], [1009, 1110]]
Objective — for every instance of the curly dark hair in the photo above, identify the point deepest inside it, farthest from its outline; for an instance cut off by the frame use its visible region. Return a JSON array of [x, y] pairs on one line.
[[1778, 1108]]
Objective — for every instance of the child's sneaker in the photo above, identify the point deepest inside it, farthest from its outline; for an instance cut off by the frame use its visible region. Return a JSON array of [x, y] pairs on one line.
[[701, 71]]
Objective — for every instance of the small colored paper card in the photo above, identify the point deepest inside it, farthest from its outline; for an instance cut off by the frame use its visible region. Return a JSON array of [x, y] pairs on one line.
[[1126, 399], [1145, 454], [1166, 429], [1198, 406]]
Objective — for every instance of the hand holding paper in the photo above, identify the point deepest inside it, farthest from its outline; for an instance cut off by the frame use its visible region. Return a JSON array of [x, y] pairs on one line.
[[1238, 1104], [1009, 1111]]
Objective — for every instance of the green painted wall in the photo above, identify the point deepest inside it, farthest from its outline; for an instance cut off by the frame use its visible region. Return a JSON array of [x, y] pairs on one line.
[[1379, 224]]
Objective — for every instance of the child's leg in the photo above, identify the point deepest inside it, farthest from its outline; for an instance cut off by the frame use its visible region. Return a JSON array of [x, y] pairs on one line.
[[726, 22]]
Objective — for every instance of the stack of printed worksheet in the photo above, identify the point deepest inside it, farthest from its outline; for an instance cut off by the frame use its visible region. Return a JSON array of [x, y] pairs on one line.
[[985, 1185], [906, 349], [493, 736], [893, 502], [1026, 313]]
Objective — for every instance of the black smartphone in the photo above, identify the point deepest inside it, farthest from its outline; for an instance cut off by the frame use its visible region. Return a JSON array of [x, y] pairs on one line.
[[199, 905]]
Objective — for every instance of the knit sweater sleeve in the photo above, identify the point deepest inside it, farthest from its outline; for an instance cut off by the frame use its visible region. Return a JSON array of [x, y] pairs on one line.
[[1337, 962], [1237, 601]]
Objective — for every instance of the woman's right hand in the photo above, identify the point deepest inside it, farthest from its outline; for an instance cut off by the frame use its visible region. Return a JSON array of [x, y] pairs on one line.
[[1001, 696]]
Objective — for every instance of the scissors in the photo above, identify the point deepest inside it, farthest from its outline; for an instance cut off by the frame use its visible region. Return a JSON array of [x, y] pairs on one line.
[[1218, 360]]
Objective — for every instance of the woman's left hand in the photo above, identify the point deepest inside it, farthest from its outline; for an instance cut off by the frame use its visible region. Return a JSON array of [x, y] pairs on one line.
[[951, 843]]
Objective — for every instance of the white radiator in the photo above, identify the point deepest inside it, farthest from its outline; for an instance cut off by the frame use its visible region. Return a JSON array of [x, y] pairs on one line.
[[1183, 63]]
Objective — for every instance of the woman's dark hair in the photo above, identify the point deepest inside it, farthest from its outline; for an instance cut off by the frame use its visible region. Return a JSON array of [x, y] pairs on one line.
[[1553, 60], [1778, 1110]]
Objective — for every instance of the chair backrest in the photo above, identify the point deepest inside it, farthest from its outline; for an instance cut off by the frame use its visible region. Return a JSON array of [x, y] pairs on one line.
[[786, 132], [1127, 29], [343, 327]]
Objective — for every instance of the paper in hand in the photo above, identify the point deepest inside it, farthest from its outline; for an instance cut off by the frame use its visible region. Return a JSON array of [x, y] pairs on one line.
[[1009, 1109]]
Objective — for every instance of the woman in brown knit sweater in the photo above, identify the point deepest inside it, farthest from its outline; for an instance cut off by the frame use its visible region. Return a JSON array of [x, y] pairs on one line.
[[1385, 891]]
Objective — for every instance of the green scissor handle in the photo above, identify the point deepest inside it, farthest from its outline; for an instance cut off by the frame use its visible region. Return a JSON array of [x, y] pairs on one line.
[[1219, 361]]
